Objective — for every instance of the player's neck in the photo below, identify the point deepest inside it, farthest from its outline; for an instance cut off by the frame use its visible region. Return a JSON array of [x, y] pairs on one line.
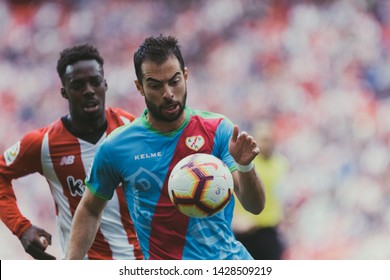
[[165, 126], [90, 131], [86, 126]]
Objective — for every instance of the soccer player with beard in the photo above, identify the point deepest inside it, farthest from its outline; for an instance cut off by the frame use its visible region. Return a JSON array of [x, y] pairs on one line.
[[62, 152], [142, 155]]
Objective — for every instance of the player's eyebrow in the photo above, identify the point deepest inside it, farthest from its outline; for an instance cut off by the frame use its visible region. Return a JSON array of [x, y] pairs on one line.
[[84, 78], [150, 79]]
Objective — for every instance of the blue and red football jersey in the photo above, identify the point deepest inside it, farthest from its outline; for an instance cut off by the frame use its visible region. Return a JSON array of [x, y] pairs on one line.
[[142, 158]]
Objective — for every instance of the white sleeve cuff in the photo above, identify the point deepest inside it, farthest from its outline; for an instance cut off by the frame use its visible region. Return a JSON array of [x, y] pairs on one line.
[[245, 168]]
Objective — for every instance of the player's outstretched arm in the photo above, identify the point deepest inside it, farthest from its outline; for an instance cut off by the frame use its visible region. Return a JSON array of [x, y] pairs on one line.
[[247, 183], [85, 224]]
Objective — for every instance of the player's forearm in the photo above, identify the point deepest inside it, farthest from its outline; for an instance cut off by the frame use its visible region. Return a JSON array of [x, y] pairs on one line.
[[82, 234], [251, 191], [85, 224], [9, 211]]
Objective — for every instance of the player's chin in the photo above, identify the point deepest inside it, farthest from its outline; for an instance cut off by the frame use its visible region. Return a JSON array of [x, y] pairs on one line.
[[171, 117], [171, 113], [92, 115]]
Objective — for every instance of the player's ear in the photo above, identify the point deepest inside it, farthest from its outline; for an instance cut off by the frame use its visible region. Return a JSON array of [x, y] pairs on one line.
[[63, 93], [185, 73], [105, 84], [139, 87]]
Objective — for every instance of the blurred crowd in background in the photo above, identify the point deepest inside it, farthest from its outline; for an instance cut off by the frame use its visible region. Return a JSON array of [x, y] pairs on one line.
[[319, 70]]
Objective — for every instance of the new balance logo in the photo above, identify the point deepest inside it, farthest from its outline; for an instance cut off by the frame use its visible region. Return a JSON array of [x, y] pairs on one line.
[[67, 160]]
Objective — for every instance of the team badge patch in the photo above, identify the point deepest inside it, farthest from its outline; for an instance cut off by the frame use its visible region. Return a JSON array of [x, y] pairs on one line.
[[195, 142], [12, 153]]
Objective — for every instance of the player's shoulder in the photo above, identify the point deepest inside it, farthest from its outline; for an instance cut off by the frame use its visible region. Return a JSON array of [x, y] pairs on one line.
[[121, 132], [122, 114], [37, 134], [28, 144], [204, 113], [210, 116]]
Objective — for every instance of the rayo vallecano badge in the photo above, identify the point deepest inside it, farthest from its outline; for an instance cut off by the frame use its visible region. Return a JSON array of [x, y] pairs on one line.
[[195, 142]]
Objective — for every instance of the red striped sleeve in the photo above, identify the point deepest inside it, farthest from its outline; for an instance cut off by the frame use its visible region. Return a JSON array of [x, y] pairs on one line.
[[21, 159]]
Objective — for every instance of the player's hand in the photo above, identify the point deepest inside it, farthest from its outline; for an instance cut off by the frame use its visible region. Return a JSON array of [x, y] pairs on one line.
[[242, 146], [35, 241]]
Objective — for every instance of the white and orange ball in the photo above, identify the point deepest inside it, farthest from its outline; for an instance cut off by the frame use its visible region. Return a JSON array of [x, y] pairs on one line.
[[200, 185]]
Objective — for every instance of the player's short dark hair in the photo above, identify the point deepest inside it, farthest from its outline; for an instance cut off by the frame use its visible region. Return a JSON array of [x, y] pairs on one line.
[[158, 50], [75, 54]]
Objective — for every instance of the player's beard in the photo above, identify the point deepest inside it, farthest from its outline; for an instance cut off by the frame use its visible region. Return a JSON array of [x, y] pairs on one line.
[[157, 114]]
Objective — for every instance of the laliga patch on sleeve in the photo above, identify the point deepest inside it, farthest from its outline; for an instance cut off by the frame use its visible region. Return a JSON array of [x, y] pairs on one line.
[[12, 153]]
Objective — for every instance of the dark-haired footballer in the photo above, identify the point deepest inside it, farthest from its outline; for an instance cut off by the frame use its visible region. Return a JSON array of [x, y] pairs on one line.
[[62, 152], [142, 155]]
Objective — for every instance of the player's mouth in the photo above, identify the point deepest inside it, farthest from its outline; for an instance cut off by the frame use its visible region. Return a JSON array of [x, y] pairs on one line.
[[91, 107], [171, 108]]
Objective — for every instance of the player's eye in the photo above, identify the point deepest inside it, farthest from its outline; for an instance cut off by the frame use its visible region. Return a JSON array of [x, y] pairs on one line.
[[77, 85], [96, 81], [174, 82], [154, 86]]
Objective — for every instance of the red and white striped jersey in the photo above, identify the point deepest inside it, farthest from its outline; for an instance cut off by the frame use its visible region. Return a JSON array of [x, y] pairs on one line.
[[64, 160]]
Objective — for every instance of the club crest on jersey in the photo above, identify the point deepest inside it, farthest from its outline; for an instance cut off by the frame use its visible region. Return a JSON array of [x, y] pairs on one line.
[[195, 142], [12, 153]]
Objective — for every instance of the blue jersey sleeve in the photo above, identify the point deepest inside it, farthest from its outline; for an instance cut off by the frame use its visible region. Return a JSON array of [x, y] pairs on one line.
[[102, 178], [221, 143], [221, 150]]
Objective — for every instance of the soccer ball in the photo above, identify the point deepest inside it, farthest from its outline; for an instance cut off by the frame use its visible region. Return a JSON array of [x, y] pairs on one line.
[[200, 185]]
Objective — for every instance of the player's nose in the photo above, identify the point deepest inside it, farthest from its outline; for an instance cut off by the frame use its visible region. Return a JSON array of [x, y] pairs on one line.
[[168, 92]]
